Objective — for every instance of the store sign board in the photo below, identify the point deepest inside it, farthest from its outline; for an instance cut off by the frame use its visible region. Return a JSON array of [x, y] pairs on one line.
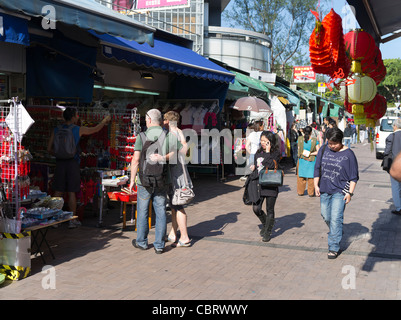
[[304, 74], [160, 4], [321, 87]]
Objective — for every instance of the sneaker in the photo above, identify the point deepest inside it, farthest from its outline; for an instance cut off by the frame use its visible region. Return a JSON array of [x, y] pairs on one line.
[[158, 251], [138, 246], [243, 178]]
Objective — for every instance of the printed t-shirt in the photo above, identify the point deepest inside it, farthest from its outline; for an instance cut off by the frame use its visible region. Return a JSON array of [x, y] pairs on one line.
[[338, 169]]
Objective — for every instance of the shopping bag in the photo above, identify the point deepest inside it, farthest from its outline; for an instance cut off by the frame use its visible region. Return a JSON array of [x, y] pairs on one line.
[[15, 254], [387, 161]]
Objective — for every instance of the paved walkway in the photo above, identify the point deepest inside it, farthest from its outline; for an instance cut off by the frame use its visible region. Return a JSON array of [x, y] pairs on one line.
[[228, 260]]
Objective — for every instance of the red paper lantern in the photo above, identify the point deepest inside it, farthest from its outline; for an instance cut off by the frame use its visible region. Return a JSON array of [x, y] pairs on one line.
[[359, 44], [326, 46], [376, 108], [379, 74]]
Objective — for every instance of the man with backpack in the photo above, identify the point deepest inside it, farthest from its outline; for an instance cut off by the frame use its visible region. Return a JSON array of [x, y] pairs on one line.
[[64, 145], [150, 162]]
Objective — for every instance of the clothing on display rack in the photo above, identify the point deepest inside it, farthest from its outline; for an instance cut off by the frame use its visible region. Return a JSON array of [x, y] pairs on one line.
[[187, 116]]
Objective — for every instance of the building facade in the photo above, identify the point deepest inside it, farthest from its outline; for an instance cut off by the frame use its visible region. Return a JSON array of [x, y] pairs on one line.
[[200, 21]]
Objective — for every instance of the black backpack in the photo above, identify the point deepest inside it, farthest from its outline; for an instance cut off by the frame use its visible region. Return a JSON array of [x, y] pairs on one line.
[[64, 143], [152, 174]]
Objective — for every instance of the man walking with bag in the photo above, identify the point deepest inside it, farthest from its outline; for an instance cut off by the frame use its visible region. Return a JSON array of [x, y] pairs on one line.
[[150, 157], [393, 147]]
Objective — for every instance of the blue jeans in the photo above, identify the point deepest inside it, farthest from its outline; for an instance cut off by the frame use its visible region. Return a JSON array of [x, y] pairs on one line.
[[396, 193], [158, 198], [332, 210]]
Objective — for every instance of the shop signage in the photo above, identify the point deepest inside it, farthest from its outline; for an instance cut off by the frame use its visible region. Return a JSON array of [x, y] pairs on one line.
[[304, 74], [160, 4]]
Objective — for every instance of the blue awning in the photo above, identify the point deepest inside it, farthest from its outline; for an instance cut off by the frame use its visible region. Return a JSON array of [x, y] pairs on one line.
[[163, 56], [13, 30], [86, 14]]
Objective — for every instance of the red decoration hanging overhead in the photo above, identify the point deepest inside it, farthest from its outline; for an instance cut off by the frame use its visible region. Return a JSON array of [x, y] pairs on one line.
[[361, 47], [376, 109], [326, 46]]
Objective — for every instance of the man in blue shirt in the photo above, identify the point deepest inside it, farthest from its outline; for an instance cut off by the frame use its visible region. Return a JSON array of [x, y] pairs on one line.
[[67, 175]]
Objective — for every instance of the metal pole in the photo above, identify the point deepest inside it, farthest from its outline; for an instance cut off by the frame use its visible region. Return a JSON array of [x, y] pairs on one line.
[[16, 133]]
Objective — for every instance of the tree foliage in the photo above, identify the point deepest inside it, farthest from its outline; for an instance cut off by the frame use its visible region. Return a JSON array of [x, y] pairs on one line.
[[288, 24], [391, 85]]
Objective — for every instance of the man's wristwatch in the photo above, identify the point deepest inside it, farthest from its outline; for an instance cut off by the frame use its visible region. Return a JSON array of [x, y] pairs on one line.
[[350, 193]]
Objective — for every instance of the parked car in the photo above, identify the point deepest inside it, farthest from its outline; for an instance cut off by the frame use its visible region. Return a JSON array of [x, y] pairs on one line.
[[382, 132]]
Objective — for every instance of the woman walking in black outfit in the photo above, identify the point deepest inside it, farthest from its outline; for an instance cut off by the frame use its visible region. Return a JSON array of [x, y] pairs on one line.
[[267, 156]]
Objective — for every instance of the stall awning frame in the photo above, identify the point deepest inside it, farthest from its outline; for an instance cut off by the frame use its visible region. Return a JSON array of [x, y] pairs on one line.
[[163, 56]]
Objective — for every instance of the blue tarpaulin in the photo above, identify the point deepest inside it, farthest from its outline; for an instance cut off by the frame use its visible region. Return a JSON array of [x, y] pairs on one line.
[[13, 30], [60, 68]]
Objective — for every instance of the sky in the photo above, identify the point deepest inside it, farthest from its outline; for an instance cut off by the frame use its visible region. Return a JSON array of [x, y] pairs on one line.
[[389, 50]]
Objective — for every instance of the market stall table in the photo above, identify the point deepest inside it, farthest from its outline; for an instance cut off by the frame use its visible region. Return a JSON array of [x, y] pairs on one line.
[[129, 199], [42, 230]]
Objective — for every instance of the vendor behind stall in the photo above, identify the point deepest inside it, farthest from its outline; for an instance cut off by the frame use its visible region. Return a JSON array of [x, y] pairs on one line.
[[64, 145]]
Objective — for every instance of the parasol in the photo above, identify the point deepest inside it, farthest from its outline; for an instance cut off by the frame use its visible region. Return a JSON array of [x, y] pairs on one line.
[[252, 104]]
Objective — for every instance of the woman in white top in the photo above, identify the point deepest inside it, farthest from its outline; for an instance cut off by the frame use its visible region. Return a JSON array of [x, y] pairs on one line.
[[253, 141]]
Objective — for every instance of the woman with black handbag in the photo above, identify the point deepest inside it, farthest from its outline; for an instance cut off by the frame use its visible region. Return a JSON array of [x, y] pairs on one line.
[[267, 156]]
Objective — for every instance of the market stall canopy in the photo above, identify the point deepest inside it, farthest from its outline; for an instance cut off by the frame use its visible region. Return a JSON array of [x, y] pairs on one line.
[[252, 104], [86, 14], [14, 30], [379, 18], [293, 97], [258, 86], [163, 56], [236, 90], [275, 90], [255, 86]]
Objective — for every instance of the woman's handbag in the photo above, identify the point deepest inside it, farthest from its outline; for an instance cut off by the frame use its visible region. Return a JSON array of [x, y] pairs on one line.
[[271, 178], [185, 195]]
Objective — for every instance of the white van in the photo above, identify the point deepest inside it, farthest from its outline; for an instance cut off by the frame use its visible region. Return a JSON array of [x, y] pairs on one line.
[[382, 132]]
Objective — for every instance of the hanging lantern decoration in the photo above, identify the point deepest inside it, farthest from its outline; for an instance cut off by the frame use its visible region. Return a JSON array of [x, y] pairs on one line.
[[360, 89], [333, 23], [359, 114], [359, 44], [375, 110], [319, 48], [326, 46]]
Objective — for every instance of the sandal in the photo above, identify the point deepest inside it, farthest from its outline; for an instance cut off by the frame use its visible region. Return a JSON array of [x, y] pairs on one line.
[[182, 244], [168, 239], [332, 254]]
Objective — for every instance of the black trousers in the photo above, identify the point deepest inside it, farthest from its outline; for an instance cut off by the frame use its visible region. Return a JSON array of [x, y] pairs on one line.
[[270, 203]]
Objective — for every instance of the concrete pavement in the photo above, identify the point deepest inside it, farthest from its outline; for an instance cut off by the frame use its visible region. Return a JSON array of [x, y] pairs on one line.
[[228, 260]]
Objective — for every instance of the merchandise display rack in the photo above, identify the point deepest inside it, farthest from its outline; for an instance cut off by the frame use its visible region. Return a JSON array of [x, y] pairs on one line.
[[14, 163]]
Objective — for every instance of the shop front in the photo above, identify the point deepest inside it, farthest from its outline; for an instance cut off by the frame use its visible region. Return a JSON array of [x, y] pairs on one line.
[[41, 66]]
